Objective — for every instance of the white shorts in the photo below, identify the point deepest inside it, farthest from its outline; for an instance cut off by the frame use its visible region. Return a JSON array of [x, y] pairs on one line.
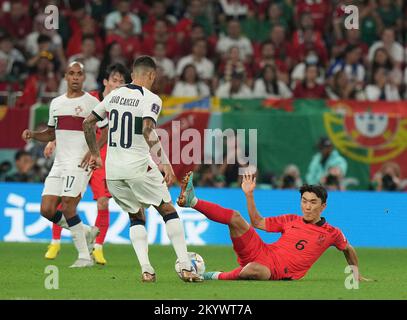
[[146, 190], [63, 181]]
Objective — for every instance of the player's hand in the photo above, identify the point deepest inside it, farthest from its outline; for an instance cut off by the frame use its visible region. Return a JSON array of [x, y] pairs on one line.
[[95, 162], [26, 135], [248, 183], [49, 149], [169, 175], [85, 161], [365, 279]]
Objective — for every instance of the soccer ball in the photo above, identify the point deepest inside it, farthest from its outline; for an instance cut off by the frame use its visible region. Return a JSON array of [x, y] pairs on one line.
[[197, 262]]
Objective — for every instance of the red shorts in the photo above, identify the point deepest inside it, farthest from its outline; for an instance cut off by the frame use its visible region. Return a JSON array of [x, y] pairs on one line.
[[251, 248], [98, 184]]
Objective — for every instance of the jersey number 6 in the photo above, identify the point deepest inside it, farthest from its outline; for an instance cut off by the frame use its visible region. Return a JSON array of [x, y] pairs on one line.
[[300, 244]]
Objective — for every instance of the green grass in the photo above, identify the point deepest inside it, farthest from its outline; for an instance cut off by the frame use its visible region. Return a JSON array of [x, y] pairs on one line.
[[22, 276]]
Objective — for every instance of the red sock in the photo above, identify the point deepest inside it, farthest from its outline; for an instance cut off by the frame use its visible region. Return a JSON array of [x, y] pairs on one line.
[[214, 211], [56, 232], [230, 275], [102, 222]]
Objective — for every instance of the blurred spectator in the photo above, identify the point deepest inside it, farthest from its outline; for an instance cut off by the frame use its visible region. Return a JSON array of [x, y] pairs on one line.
[[390, 14], [323, 161], [24, 168], [122, 10], [87, 27], [291, 178], [89, 61], [319, 11], [309, 87], [8, 82], [388, 41], [235, 9], [162, 85], [193, 15], [124, 35], [235, 88], [371, 24], [352, 37], [233, 63], [162, 35], [17, 22], [267, 53], [42, 85], [355, 71], [41, 36], [5, 167], [198, 58], [15, 60], [298, 72], [113, 54], [161, 60], [206, 176], [234, 38], [388, 178], [283, 48], [189, 84], [268, 86], [381, 89], [198, 33], [341, 88], [333, 180], [158, 10], [382, 59]]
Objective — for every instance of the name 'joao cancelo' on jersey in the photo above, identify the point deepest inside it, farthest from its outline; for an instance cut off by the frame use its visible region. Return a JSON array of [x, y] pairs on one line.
[[128, 154]]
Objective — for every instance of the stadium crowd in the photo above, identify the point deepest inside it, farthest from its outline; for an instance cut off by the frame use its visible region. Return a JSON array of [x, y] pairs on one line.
[[225, 48]]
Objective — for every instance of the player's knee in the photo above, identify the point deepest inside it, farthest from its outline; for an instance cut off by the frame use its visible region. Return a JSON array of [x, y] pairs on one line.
[[137, 218], [255, 271], [47, 211], [165, 209]]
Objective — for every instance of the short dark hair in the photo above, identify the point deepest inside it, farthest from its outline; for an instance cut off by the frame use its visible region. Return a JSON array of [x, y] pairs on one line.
[[21, 153], [42, 38], [117, 68], [319, 191], [145, 61]]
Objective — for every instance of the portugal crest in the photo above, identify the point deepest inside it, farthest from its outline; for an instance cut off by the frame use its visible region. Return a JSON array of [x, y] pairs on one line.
[[367, 132]]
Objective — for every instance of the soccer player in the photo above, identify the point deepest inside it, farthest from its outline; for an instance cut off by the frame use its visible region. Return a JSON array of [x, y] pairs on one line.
[[116, 75], [304, 238], [67, 180], [133, 178]]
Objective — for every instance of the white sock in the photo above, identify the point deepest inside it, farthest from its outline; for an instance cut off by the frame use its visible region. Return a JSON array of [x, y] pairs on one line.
[[98, 246], [79, 239], [55, 241], [175, 232], [194, 201], [139, 240]]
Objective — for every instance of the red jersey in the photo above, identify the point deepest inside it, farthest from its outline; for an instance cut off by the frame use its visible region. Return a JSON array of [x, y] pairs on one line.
[[301, 243], [99, 95]]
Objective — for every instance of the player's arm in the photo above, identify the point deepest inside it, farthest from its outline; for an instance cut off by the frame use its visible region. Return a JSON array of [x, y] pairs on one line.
[[90, 135], [352, 259], [153, 141], [248, 186], [43, 136]]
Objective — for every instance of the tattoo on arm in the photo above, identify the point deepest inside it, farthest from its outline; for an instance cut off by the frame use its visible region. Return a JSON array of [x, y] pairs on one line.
[[153, 141], [90, 133]]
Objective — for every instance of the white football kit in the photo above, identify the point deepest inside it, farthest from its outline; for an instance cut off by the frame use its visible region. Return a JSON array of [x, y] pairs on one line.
[[66, 115], [133, 178]]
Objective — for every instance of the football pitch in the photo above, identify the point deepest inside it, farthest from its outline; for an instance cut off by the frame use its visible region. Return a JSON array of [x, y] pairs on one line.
[[22, 276]]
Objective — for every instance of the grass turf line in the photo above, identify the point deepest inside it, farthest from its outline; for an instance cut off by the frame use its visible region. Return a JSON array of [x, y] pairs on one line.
[[22, 276]]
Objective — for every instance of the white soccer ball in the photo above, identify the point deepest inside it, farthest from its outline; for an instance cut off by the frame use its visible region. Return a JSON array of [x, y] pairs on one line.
[[197, 262]]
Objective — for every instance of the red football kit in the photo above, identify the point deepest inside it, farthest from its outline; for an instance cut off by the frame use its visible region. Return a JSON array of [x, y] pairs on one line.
[[300, 245], [98, 180]]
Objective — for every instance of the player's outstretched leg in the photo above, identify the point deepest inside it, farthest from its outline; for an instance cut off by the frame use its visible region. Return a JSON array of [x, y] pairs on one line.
[[102, 222], [139, 240], [175, 232]]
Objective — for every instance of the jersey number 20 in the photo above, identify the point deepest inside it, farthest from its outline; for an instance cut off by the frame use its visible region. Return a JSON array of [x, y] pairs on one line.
[[128, 127]]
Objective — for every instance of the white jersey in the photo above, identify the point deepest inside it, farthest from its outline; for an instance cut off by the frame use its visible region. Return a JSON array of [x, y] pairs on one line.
[[128, 154], [66, 115]]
